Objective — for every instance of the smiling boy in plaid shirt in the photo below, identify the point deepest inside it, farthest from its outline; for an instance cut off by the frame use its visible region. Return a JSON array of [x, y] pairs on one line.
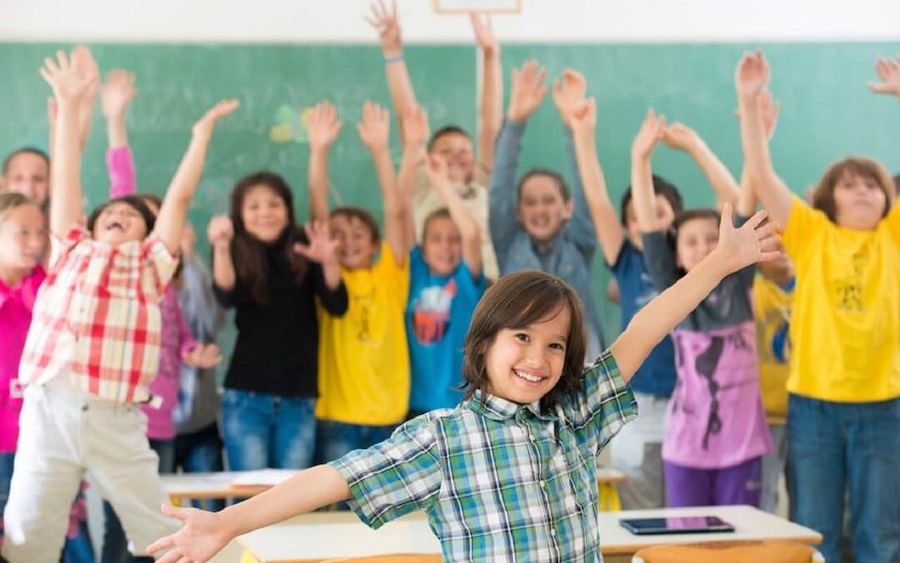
[[93, 345], [509, 474]]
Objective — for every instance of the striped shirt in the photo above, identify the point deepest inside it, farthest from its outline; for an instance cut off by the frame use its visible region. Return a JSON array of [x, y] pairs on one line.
[[97, 317], [499, 481]]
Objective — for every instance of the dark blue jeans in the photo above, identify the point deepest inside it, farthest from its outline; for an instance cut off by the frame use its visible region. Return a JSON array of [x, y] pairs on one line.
[[201, 452], [854, 446], [335, 439], [263, 430]]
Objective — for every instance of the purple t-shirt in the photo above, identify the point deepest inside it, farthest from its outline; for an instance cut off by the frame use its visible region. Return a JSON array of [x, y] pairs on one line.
[[715, 417], [16, 305]]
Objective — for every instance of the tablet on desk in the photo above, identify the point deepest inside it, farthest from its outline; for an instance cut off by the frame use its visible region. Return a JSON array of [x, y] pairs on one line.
[[677, 525]]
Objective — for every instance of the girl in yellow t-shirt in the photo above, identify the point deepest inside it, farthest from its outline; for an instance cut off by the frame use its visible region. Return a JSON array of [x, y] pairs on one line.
[[844, 382]]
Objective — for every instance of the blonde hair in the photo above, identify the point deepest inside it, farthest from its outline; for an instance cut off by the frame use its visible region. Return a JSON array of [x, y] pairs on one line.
[[823, 195], [10, 201]]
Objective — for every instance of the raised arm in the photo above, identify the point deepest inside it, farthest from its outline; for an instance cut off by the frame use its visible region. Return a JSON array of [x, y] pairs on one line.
[[746, 204], [602, 210], [384, 20], [220, 233], [491, 88], [69, 89], [323, 128], [436, 168], [203, 534], [888, 70], [415, 135], [751, 80], [86, 66], [322, 248], [174, 208], [117, 93], [681, 137], [736, 249], [642, 148], [374, 131]]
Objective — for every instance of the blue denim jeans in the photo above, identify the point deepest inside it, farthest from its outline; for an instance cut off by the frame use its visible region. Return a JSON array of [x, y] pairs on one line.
[[201, 452], [335, 439], [834, 446], [263, 430]]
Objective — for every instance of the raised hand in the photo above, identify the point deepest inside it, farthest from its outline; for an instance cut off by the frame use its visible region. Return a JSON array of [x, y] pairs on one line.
[[584, 118], [85, 65], [374, 129], [753, 242], [889, 72], [220, 231], [68, 85], [770, 110], [650, 133], [528, 91], [385, 21], [752, 76], [680, 137], [199, 539], [118, 92], [484, 31], [415, 127], [437, 170], [321, 246], [568, 94], [206, 124], [202, 356], [323, 126]]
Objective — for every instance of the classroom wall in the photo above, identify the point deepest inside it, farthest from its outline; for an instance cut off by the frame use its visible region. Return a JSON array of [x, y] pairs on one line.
[[540, 20]]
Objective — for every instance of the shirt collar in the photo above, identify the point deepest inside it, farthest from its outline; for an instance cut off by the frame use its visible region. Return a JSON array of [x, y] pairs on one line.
[[500, 409]]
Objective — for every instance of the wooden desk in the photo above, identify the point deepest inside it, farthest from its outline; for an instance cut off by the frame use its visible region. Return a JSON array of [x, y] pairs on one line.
[[314, 537], [201, 486]]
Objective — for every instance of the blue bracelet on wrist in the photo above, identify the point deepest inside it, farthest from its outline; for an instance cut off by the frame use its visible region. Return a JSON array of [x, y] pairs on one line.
[[393, 59]]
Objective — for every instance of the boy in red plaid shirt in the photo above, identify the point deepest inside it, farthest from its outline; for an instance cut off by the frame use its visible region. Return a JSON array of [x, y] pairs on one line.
[[93, 345]]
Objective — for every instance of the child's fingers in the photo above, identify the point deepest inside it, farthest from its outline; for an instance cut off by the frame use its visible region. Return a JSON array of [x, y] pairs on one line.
[[757, 218]]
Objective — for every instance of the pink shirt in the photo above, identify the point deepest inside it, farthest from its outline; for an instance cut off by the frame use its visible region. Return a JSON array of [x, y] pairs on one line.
[[16, 304]]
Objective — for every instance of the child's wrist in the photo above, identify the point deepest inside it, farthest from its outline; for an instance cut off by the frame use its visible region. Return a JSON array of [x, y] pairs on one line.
[[394, 57]]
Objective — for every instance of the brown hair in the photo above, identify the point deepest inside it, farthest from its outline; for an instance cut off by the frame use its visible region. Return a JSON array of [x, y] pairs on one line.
[[440, 213], [823, 195], [360, 215], [250, 255], [516, 301], [10, 201]]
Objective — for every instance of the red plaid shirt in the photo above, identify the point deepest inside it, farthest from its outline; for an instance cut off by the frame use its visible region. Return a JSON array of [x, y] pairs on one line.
[[97, 317]]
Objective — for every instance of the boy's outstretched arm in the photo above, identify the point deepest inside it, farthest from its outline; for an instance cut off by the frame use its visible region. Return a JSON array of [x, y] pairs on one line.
[[642, 148], [170, 220], [736, 249], [751, 80], [323, 129], [117, 93], [747, 200], [69, 89], [384, 20], [204, 534], [603, 213], [491, 89], [681, 137], [374, 131]]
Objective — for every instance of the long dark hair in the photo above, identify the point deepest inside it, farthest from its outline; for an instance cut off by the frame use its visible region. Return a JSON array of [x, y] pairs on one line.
[[249, 254], [516, 301]]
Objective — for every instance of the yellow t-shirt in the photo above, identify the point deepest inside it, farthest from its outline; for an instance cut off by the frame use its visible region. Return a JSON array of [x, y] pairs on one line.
[[845, 327], [363, 359], [772, 312]]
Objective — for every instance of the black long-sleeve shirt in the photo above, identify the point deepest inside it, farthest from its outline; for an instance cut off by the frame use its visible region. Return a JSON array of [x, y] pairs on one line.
[[277, 346]]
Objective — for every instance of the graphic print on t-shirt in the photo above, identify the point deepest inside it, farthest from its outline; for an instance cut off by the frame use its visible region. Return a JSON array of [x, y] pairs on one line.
[[431, 312]]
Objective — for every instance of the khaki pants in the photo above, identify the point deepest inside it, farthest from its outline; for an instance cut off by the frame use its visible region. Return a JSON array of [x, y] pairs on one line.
[[65, 433]]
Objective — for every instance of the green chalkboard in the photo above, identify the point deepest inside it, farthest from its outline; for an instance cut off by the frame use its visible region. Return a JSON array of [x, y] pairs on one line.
[[827, 111]]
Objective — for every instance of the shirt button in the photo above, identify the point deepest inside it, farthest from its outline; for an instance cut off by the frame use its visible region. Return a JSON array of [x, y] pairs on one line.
[[553, 532], [542, 484], [531, 437]]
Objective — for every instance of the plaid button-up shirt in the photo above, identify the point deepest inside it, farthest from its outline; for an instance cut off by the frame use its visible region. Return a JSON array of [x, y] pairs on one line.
[[499, 481], [97, 317]]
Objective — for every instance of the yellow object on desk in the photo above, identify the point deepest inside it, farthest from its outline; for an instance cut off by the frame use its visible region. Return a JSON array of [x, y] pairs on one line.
[[609, 494]]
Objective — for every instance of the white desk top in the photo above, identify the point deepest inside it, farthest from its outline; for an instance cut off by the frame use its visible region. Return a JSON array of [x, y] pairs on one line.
[[222, 484], [324, 535]]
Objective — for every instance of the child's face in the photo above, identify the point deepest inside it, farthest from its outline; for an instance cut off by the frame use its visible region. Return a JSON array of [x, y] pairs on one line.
[[119, 223], [442, 246], [542, 210], [664, 217], [525, 364], [264, 213], [696, 239], [28, 174], [457, 150], [356, 248], [859, 202], [23, 238]]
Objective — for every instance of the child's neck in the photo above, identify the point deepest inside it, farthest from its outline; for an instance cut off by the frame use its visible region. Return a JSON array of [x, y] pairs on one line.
[[12, 277]]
